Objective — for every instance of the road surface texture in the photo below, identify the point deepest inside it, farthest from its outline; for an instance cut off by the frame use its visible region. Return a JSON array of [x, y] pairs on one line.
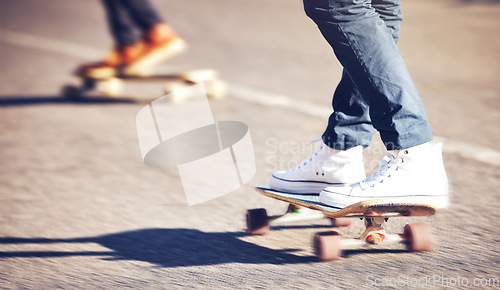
[[79, 209]]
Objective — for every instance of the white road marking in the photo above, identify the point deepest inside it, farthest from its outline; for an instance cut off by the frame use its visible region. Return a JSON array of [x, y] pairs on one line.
[[50, 44], [275, 100], [470, 151]]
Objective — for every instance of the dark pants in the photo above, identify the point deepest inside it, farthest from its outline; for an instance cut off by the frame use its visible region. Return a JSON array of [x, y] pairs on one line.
[[125, 16]]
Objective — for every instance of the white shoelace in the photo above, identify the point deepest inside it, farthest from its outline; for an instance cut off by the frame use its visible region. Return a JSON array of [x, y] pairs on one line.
[[311, 157], [387, 166]]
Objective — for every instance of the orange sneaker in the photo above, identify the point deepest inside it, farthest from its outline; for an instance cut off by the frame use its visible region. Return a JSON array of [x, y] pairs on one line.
[[160, 44]]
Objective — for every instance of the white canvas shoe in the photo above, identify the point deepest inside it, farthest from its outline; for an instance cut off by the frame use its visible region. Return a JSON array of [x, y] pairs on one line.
[[417, 173], [323, 168]]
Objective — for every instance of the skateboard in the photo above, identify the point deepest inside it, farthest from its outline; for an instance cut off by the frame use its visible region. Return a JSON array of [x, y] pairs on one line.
[[116, 86], [329, 245]]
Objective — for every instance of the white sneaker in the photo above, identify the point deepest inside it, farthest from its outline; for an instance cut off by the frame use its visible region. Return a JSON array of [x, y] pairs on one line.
[[417, 172], [325, 167]]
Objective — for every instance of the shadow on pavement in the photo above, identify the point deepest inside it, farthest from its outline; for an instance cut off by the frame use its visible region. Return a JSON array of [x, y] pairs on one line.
[[45, 100], [167, 248]]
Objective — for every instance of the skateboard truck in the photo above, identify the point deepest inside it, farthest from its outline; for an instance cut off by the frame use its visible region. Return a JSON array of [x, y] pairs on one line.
[[374, 232]]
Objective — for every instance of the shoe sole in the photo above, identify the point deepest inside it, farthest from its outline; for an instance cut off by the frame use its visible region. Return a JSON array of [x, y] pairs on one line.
[[439, 201], [298, 187]]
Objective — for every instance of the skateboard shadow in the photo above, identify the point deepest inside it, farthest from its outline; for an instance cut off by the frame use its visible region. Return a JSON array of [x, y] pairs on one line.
[[8, 101], [166, 248], [350, 253], [296, 227]]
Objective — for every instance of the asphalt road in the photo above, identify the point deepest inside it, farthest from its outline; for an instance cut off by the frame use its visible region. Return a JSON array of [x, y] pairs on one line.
[[79, 209]]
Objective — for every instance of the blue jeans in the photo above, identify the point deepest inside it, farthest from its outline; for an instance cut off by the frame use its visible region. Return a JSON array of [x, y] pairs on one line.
[[376, 92]]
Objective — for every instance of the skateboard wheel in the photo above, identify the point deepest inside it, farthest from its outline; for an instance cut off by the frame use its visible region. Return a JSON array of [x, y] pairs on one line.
[[257, 221], [216, 89], [89, 84], [327, 246], [199, 76], [70, 91], [171, 87], [419, 237], [111, 87], [341, 222]]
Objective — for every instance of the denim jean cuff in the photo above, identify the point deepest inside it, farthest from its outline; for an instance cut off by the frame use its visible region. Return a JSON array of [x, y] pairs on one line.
[[418, 135]]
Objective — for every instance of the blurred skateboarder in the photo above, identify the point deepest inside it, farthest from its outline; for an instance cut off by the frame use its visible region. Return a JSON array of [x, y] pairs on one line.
[[142, 40]]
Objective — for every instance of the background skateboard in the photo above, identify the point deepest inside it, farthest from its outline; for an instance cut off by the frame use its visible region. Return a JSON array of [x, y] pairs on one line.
[[133, 86]]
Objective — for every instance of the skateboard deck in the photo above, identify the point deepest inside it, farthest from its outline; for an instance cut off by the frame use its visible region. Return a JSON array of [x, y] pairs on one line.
[[371, 208], [116, 86]]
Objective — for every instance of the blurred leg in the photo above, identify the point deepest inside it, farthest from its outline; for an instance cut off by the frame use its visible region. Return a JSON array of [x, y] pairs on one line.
[[350, 109], [159, 40], [143, 13], [366, 47], [121, 27], [125, 48]]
